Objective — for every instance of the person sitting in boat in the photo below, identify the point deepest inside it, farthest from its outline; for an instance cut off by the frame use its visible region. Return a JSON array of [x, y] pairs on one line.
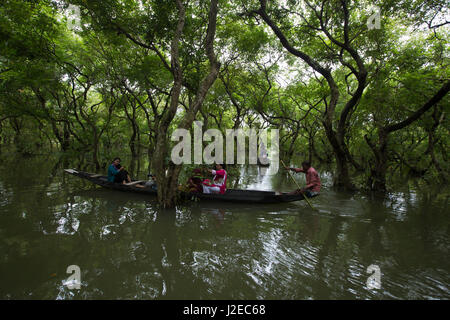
[[219, 184], [313, 184], [117, 173], [195, 182], [151, 182]]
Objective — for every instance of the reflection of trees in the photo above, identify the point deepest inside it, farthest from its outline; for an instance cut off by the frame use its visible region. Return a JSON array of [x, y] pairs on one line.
[[27, 253], [256, 175], [138, 258], [129, 248], [323, 271], [335, 249], [164, 251]]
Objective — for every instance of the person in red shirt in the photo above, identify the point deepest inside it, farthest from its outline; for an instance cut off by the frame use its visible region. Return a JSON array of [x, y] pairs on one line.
[[312, 180], [219, 184]]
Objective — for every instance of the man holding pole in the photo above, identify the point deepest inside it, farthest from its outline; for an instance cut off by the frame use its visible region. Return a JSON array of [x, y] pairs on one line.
[[312, 180]]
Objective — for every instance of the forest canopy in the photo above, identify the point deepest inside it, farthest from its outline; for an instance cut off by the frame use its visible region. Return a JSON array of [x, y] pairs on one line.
[[359, 87]]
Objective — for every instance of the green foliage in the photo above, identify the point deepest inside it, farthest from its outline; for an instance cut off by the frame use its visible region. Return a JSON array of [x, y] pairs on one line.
[[105, 87]]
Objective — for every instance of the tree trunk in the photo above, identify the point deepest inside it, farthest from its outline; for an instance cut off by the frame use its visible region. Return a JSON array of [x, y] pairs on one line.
[[132, 169], [378, 173], [132, 144], [135, 129], [377, 179], [291, 149], [166, 197], [95, 146], [438, 119], [167, 176], [336, 139], [310, 146], [342, 177], [17, 126], [66, 138], [435, 161], [1, 137]]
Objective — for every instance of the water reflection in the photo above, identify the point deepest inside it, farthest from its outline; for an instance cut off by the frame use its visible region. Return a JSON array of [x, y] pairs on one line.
[[129, 248]]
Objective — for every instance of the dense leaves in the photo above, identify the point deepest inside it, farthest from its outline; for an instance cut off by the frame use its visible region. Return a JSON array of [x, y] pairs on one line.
[[370, 102]]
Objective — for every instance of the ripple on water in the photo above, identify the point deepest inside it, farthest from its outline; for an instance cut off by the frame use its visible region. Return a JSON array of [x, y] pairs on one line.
[[418, 284], [6, 197], [132, 249]]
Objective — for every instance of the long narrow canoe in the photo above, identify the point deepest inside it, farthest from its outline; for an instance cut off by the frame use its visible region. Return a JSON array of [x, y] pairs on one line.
[[232, 195]]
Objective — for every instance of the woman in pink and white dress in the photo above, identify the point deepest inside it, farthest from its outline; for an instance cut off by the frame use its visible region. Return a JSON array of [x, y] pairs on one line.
[[219, 184]]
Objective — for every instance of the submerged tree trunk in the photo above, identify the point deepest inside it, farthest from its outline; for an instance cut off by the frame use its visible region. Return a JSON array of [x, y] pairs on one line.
[[167, 176], [135, 129], [378, 172], [95, 146], [17, 127], [166, 196], [438, 119], [66, 138], [342, 176], [336, 138], [434, 160], [310, 148], [1, 136], [380, 150]]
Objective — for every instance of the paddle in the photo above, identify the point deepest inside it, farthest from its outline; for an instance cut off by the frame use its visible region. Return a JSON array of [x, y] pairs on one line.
[[304, 195]]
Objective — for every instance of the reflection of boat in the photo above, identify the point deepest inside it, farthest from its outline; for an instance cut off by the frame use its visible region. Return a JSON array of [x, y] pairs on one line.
[[232, 195], [265, 163]]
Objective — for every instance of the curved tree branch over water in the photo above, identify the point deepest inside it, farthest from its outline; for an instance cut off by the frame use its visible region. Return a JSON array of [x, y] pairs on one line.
[[355, 99]]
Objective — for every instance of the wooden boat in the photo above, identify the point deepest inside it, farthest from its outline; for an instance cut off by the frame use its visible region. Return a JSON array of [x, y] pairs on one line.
[[263, 164], [232, 195]]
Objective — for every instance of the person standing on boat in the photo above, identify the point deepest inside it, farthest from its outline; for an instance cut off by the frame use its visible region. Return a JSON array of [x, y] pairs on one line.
[[313, 183], [219, 184], [117, 173], [151, 183]]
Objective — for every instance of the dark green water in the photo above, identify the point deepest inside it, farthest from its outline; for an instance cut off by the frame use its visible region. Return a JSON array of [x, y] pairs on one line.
[[127, 248]]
